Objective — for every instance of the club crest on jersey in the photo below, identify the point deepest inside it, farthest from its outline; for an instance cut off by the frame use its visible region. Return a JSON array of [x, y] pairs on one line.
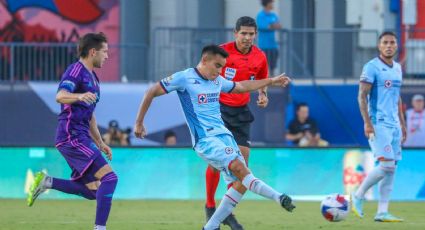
[[202, 98], [229, 73], [388, 83], [228, 150]]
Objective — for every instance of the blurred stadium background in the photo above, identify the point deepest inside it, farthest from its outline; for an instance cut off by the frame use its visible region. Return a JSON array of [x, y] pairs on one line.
[[322, 46]]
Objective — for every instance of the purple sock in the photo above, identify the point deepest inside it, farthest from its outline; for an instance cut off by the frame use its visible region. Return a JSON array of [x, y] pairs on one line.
[[73, 187], [104, 197]]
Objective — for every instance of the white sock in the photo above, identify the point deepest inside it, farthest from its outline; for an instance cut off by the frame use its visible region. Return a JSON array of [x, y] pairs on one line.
[[48, 182], [259, 187], [372, 178], [227, 204], [385, 188], [99, 227]]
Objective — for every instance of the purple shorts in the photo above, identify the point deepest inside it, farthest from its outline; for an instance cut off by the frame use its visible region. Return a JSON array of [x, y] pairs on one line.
[[80, 154]]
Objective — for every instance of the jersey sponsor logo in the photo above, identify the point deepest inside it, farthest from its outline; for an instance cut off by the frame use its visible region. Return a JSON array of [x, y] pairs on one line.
[[228, 150], [204, 98], [229, 73], [388, 83]]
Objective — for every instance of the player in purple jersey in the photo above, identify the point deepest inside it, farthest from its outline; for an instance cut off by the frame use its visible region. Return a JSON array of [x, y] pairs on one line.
[[77, 136]]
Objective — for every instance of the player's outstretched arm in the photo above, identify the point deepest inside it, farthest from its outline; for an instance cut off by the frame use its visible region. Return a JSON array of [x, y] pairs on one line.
[[248, 86], [65, 97], [154, 91], [364, 91]]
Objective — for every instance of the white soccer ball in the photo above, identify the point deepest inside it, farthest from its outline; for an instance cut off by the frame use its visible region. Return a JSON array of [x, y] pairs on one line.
[[335, 207]]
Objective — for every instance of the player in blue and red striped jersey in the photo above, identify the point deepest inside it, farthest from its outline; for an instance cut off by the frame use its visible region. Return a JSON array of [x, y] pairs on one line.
[[77, 136]]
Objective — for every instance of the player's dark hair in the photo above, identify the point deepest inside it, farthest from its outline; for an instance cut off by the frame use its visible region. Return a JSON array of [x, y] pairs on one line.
[[90, 41], [245, 21], [169, 133], [214, 49], [299, 105], [264, 3], [385, 33]]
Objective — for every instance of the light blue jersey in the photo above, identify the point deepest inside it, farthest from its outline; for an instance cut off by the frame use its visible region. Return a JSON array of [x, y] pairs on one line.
[[266, 36], [385, 93], [383, 107], [199, 98]]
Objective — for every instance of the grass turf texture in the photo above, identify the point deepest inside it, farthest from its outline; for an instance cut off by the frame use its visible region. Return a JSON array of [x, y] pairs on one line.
[[186, 215]]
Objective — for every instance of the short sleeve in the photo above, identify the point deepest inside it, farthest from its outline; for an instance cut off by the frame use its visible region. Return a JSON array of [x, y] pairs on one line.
[[226, 85], [368, 74], [174, 82], [264, 71], [68, 82], [262, 22]]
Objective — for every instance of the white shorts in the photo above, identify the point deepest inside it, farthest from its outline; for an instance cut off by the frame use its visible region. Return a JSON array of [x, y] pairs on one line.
[[219, 151], [386, 143]]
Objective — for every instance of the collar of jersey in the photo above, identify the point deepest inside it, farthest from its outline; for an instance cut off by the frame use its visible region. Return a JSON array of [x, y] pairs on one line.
[[391, 66], [199, 74]]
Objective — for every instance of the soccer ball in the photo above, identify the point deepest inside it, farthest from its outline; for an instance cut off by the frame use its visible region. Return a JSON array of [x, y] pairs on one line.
[[335, 207]]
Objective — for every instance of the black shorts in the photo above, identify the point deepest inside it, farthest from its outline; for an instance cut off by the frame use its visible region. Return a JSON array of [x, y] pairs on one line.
[[238, 120], [271, 55]]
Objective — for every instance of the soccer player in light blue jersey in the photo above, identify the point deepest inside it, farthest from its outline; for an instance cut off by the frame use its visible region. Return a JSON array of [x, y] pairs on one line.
[[384, 124], [198, 90]]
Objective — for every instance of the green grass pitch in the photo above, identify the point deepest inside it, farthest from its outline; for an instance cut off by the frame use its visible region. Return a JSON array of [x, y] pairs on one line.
[[186, 215]]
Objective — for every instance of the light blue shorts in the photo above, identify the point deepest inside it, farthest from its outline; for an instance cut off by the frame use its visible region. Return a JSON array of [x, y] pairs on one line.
[[387, 142], [219, 151]]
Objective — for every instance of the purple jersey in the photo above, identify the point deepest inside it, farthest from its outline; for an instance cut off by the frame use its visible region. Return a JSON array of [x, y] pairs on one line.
[[74, 119]]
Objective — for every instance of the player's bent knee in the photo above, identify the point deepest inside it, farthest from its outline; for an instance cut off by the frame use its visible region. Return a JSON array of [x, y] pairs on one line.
[[93, 187], [103, 171], [238, 169]]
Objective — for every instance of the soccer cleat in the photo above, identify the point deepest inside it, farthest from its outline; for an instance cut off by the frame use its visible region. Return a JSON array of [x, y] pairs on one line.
[[387, 217], [232, 223], [214, 229], [357, 206], [286, 202], [36, 188], [209, 212]]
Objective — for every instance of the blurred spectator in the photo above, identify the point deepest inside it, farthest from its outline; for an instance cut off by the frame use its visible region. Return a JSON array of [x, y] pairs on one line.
[[415, 120], [115, 136], [302, 130], [268, 23], [170, 138]]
